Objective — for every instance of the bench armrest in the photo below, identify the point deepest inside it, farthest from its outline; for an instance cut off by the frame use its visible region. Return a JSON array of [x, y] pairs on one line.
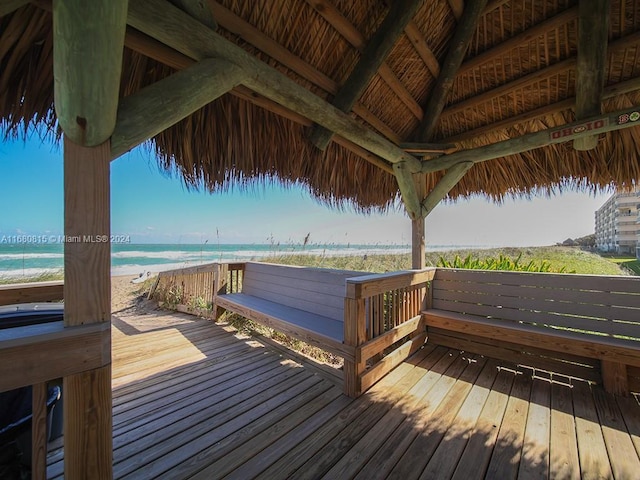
[[375, 284]]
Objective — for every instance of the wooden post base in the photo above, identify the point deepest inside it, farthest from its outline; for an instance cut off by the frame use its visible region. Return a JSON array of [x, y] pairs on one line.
[[614, 378]]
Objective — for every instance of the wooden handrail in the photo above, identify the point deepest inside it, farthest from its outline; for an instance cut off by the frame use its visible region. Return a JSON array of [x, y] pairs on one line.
[[31, 292], [375, 284]]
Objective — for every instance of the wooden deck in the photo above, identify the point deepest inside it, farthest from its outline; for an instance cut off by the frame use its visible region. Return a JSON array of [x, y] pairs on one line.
[[191, 400]]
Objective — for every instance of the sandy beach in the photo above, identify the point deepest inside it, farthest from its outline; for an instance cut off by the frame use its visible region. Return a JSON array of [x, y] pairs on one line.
[[127, 296]]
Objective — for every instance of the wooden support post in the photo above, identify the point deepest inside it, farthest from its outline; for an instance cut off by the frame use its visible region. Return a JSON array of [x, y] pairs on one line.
[[87, 294], [418, 260], [407, 189], [88, 39], [594, 126], [593, 29], [220, 276], [355, 334], [155, 108], [457, 49], [614, 377], [444, 186], [39, 432], [8, 6], [373, 56]]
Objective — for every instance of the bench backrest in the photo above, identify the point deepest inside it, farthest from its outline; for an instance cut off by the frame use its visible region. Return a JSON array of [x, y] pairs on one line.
[[317, 290], [588, 303]]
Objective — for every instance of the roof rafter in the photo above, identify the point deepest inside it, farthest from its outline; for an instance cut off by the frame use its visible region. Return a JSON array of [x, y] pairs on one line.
[[531, 33], [171, 26], [160, 52], [351, 34], [612, 91], [457, 49], [372, 58], [593, 29], [593, 126], [231, 22], [457, 7], [543, 74]]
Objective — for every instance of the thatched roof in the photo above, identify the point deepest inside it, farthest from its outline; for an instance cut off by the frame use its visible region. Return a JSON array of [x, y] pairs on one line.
[[518, 76]]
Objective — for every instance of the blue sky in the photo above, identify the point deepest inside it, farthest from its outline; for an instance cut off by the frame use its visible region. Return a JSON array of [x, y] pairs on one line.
[[154, 208]]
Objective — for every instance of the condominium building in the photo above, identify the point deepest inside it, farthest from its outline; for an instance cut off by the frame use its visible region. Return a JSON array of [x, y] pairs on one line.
[[618, 224]]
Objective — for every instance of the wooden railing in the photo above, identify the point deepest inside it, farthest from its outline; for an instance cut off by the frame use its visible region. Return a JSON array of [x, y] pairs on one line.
[[196, 287], [36, 354], [383, 323]]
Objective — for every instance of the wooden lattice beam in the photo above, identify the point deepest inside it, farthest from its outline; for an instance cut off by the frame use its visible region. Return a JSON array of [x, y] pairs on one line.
[[171, 26], [627, 118], [344, 27], [372, 58], [233, 23], [593, 27], [458, 46]]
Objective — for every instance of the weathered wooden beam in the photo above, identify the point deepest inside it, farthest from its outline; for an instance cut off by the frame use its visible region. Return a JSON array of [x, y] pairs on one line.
[[198, 9], [444, 186], [155, 108], [171, 26], [457, 48], [373, 56], [150, 47], [88, 40], [408, 189], [418, 41], [87, 295], [418, 248], [457, 7], [594, 126], [8, 6], [343, 26], [593, 29], [526, 36], [423, 147], [611, 91], [229, 21]]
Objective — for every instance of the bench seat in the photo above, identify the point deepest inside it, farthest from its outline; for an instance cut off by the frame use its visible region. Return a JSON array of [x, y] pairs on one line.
[[593, 346], [314, 329]]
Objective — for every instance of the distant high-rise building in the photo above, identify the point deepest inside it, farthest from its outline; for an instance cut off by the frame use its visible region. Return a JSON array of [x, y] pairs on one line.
[[618, 224]]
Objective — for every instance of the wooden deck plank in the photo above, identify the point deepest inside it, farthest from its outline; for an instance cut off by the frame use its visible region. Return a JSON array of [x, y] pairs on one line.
[[436, 365], [154, 447], [242, 410], [308, 447], [505, 460], [237, 461], [445, 459], [563, 452], [417, 455], [622, 454], [631, 414], [594, 461], [475, 459], [319, 464], [535, 451]]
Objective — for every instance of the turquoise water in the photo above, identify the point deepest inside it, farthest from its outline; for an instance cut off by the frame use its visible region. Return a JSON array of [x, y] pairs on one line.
[[30, 259]]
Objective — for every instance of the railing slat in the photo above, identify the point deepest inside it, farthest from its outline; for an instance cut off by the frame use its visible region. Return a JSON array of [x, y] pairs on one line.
[[39, 432]]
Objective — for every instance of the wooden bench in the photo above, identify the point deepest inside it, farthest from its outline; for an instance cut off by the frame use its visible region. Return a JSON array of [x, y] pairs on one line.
[[305, 303], [517, 315]]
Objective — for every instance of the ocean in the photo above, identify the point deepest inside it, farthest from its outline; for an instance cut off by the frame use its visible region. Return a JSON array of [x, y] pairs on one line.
[[32, 259]]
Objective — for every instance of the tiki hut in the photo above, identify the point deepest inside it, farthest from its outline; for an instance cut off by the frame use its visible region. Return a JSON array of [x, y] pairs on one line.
[[364, 102]]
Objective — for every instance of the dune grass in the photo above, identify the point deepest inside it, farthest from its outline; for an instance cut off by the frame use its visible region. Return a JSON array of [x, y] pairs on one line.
[[43, 277], [571, 259]]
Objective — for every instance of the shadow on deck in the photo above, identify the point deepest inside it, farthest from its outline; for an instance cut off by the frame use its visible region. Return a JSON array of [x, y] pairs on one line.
[[191, 400]]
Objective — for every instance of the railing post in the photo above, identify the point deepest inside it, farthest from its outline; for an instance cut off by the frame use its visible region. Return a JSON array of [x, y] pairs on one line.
[[354, 336], [220, 276], [39, 432]]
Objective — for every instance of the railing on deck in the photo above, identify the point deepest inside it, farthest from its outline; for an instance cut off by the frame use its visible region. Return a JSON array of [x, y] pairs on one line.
[[36, 354], [383, 322], [196, 287]]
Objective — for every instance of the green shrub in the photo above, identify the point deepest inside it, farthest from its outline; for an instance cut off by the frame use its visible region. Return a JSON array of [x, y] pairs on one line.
[[503, 262]]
